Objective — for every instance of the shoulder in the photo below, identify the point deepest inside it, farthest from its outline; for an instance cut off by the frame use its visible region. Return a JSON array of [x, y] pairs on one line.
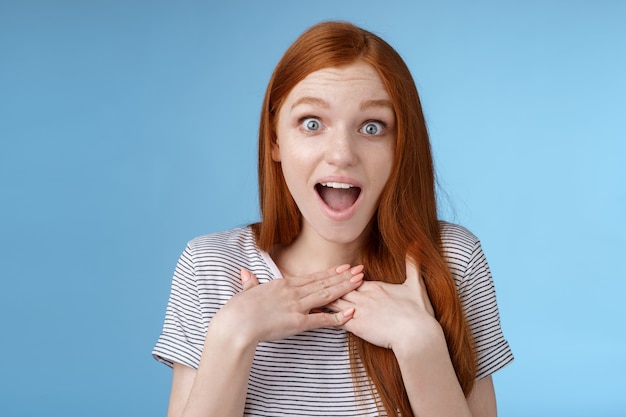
[[230, 241], [225, 253], [460, 249], [457, 242], [456, 235], [228, 249]]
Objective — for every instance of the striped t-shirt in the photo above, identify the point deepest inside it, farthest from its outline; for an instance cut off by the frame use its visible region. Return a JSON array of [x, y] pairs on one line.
[[308, 374]]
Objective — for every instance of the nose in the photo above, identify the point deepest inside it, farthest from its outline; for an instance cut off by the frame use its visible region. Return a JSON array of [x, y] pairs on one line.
[[340, 149]]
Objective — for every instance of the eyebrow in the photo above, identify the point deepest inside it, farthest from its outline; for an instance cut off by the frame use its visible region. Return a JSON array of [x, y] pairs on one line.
[[316, 101], [376, 103]]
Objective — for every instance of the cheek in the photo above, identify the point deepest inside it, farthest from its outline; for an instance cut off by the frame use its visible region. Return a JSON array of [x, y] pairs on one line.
[[293, 155], [293, 171], [297, 171], [383, 165], [290, 165]]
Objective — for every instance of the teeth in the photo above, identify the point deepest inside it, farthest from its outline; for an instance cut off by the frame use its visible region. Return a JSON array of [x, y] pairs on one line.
[[337, 185]]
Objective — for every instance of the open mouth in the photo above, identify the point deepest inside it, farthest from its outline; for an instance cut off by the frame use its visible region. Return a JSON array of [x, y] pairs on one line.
[[338, 196]]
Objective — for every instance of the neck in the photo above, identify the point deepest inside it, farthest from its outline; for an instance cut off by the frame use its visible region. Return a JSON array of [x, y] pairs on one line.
[[310, 253]]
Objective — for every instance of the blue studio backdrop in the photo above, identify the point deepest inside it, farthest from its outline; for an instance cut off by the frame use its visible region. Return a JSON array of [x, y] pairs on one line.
[[129, 127]]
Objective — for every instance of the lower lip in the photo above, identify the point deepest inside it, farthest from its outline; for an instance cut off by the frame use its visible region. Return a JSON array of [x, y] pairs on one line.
[[342, 215]]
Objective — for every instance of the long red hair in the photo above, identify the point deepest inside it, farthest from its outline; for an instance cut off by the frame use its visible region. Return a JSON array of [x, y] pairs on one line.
[[406, 221]]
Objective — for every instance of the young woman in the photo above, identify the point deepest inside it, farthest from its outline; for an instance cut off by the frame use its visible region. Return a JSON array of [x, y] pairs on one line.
[[349, 297]]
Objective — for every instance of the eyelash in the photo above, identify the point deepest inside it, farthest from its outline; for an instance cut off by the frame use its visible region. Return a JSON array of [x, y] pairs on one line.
[[303, 119], [382, 124]]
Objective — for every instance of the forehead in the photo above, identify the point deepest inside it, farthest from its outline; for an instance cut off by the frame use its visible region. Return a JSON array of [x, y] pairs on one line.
[[358, 78]]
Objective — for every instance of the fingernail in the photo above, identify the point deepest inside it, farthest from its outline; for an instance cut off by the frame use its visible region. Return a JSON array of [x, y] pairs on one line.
[[357, 278], [349, 312], [245, 275], [357, 269], [342, 268]]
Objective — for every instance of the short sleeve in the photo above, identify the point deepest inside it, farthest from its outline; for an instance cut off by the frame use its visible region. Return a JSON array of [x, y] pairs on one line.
[[184, 331], [478, 297]]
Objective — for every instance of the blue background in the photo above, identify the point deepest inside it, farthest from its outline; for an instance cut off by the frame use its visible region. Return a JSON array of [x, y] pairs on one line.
[[129, 127]]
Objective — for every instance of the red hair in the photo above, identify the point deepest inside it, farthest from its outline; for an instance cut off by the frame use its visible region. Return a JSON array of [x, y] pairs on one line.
[[406, 220]]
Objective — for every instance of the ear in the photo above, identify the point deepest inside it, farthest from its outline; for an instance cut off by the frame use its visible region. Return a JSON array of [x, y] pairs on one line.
[[275, 151]]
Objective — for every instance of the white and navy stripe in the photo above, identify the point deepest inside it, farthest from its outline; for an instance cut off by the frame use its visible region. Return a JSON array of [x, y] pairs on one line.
[[308, 374]]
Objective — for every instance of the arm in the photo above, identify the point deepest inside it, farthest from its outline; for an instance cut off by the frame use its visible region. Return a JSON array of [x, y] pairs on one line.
[[432, 385], [182, 381], [428, 375], [271, 311], [482, 399], [219, 386]]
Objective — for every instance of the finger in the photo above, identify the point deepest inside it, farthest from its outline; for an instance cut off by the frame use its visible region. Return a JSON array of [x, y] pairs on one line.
[[327, 290], [326, 281], [318, 276], [339, 304], [353, 296], [248, 279], [317, 320]]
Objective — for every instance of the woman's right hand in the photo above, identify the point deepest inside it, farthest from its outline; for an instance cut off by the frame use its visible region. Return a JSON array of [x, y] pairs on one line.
[[282, 307], [261, 312]]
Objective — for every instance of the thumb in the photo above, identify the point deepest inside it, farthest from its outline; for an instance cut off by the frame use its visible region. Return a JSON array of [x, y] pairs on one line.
[[414, 280], [412, 273], [248, 279]]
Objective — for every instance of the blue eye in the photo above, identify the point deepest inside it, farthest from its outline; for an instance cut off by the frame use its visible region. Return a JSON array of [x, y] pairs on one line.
[[372, 128], [311, 124]]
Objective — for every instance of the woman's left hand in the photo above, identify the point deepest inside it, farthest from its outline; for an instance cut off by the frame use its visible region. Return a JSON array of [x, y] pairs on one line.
[[390, 315]]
